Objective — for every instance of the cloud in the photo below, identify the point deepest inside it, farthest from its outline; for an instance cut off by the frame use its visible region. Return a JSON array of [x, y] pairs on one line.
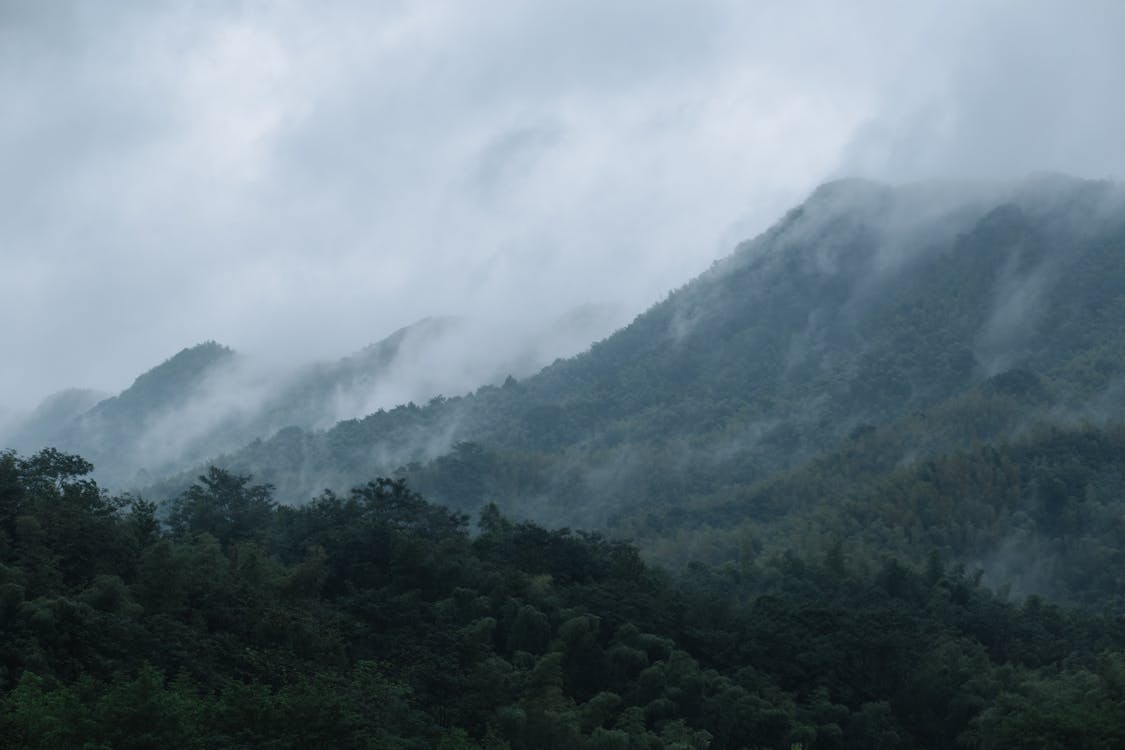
[[299, 179], [1017, 87]]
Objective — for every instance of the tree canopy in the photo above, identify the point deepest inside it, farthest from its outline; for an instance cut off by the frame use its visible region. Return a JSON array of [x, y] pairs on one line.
[[378, 620]]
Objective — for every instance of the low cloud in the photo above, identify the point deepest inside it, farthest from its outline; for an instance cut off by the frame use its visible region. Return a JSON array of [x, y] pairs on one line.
[[296, 180]]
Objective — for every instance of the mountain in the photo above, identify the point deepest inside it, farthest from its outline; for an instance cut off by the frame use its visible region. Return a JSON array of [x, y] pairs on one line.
[[208, 399], [426, 359], [865, 306], [53, 415], [148, 423], [321, 394]]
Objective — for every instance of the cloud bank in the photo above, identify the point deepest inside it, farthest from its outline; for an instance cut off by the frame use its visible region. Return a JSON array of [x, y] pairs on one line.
[[298, 179]]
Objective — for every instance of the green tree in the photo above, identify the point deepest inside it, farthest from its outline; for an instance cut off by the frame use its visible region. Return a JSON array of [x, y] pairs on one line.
[[224, 505]]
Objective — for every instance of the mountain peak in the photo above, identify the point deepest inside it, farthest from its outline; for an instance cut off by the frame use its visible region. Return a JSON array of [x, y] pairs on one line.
[[186, 363], [175, 376]]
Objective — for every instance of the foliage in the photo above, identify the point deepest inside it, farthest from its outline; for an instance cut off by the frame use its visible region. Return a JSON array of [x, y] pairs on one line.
[[375, 620]]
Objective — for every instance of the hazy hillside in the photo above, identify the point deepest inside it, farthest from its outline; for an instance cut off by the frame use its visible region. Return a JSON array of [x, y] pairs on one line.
[[866, 305], [207, 399], [150, 423], [50, 418]]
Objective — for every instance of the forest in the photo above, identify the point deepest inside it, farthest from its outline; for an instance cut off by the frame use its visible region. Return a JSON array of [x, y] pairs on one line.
[[375, 619]]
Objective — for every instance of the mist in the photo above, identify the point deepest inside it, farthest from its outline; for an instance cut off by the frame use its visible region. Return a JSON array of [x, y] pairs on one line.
[[222, 400], [298, 182]]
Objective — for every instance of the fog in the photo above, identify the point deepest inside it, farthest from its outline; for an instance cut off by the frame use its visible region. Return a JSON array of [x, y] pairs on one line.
[[298, 180], [210, 400]]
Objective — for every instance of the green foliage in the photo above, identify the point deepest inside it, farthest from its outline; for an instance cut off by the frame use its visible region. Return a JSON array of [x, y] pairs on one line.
[[374, 620], [224, 505]]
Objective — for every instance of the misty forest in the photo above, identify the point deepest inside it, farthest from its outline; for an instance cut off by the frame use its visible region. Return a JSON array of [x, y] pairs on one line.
[[861, 484], [632, 375]]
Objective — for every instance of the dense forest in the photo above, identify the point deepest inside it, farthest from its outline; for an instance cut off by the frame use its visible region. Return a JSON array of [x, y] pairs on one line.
[[374, 619]]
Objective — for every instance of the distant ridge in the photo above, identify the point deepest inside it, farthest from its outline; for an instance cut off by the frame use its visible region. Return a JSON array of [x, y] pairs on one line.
[[208, 398], [169, 383]]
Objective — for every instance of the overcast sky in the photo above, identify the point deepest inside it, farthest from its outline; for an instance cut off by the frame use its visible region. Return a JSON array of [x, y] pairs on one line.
[[298, 179]]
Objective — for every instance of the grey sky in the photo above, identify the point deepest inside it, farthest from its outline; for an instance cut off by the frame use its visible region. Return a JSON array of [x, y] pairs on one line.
[[298, 179]]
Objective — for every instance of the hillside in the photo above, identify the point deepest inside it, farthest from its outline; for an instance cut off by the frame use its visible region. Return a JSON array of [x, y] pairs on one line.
[[146, 424], [864, 306], [54, 415], [207, 399]]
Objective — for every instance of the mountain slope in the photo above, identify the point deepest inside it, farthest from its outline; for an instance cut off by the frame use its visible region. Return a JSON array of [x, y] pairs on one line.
[[52, 416], [207, 399], [134, 428], [863, 306]]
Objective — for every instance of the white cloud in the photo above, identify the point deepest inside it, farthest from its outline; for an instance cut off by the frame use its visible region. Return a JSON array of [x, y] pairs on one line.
[[298, 179]]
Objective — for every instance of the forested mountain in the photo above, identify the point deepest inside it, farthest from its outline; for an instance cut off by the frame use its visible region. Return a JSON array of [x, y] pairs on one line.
[[154, 416], [207, 399], [866, 306]]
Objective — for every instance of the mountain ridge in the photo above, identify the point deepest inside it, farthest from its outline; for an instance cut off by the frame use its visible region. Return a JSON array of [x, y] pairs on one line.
[[208, 398]]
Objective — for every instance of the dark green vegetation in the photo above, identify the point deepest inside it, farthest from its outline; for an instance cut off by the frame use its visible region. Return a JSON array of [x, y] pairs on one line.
[[374, 620]]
